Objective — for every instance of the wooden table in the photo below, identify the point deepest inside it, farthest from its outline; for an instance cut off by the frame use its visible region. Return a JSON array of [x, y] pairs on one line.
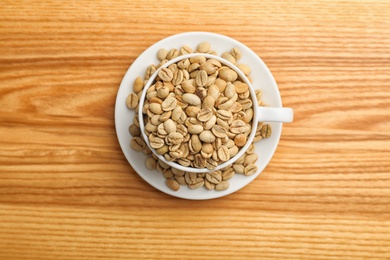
[[67, 191]]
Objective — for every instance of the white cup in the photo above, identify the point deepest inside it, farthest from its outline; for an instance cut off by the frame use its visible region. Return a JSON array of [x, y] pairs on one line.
[[260, 114]]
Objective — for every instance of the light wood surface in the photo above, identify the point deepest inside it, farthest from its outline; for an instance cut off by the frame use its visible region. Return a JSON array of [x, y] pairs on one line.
[[67, 191]]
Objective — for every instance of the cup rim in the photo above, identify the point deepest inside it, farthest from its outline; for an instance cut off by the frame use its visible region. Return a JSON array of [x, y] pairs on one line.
[[241, 151]]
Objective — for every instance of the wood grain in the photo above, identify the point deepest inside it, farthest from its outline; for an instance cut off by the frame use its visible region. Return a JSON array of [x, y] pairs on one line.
[[67, 191]]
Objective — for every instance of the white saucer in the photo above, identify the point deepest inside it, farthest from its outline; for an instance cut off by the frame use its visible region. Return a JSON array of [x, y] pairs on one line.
[[262, 79]]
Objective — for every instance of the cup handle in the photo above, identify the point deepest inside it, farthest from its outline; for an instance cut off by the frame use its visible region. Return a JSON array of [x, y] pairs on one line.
[[275, 114]]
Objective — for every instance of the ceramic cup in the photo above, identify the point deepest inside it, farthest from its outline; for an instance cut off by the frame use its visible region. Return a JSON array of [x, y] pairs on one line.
[[260, 114]]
